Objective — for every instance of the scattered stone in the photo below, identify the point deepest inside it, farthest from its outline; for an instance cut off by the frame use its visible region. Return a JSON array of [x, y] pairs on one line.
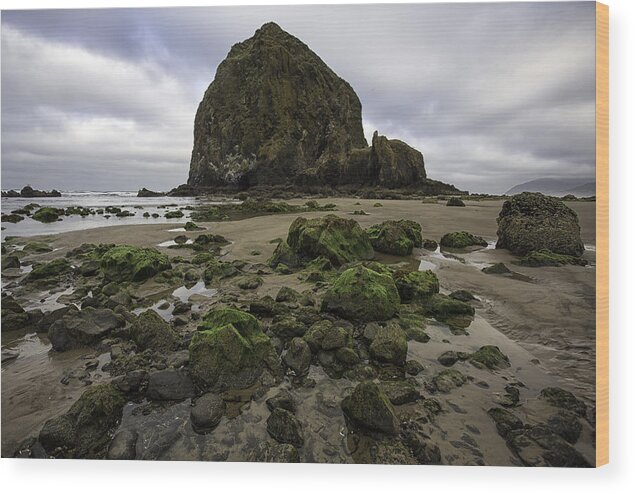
[[416, 286], [400, 392], [447, 380], [286, 294], [563, 399], [489, 357], [396, 237], [82, 327], [498, 268], [285, 428], [283, 399], [505, 421], [369, 408], [298, 356], [462, 239], [413, 367], [455, 202], [389, 345], [462, 295], [150, 331], [566, 425], [431, 245], [207, 412], [170, 385], [129, 263]]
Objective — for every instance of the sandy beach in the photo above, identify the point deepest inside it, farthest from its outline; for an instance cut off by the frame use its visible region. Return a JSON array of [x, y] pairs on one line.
[[542, 319]]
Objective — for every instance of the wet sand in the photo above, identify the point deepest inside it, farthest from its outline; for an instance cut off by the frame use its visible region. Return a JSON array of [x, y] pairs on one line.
[[545, 326]]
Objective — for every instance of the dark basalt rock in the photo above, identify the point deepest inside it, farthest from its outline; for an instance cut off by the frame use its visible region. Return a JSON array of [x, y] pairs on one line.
[[170, 385], [285, 428], [83, 327], [369, 408], [207, 412], [28, 192], [531, 221], [144, 192]]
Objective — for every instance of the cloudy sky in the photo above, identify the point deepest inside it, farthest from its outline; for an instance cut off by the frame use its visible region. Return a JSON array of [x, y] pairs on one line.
[[492, 94]]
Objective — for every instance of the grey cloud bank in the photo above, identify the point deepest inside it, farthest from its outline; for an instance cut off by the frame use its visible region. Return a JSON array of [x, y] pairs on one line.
[[492, 94]]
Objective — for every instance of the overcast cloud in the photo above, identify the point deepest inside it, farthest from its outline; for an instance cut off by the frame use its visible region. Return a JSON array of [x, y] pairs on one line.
[[492, 94]]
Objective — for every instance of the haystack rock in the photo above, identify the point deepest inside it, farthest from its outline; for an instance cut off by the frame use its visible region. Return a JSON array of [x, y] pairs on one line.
[[276, 114]]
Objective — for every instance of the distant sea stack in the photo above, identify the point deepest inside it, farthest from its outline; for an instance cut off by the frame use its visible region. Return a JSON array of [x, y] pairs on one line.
[[276, 114]]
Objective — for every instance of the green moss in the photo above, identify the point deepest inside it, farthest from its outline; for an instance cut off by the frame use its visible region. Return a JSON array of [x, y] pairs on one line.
[[490, 357], [246, 324], [339, 240], [389, 345], [251, 282], [395, 237], [203, 258], [446, 380], [54, 268], [150, 331], [368, 407], [174, 215], [443, 307], [416, 285], [216, 270], [455, 202], [498, 268], [37, 247], [362, 294], [283, 254], [131, 263], [545, 258], [222, 357], [462, 239], [48, 214]]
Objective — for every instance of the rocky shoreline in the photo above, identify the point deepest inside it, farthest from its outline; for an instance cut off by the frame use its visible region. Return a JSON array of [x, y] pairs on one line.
[[317, 341]]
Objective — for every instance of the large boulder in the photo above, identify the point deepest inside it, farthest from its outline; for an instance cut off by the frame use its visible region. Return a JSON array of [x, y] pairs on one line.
[[360, 293], [49, 270], [274, 112], [369, 408], [86, 429], [83, 327], [130, 263], [462, 239], [396, 237], [337, 239], [230, 351], [532, 221]]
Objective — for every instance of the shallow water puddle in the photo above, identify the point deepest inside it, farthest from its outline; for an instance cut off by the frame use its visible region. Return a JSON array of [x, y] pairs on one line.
[[170, 243], [184, 294], [165, 313], [49, 303]]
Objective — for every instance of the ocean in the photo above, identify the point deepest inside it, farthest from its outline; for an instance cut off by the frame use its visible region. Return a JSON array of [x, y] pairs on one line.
[[99, 200]]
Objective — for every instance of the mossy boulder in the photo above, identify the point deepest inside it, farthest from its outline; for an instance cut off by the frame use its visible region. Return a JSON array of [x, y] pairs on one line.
[[531, 221], [298, 356], [229, 354], [337, 239], [389, 345], [130, 263], [324, 335], [455, 202], [150, 331], [563, 399], [86, 327], [360, 293], [490, 357], [283, 254], [216, 270], [52, 269], [505, 421], [462, 239], [443, 307], [48, 214], [416, 286], [10, 262], [428, 244], [396, 237], [462, 295], [370, 409], [447, 380], [500, 268], [287, 294], [546, 258], [284, 427], [85, 431]]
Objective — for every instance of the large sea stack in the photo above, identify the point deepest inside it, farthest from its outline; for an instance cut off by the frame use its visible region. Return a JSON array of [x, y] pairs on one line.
[[276, 114]]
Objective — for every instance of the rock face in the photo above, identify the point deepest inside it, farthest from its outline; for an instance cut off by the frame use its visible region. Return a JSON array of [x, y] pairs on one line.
[[276, 114], [274, 110], [532, 221]]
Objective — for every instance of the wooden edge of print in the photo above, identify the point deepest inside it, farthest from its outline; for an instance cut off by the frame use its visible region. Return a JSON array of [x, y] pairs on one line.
[[602, 235]]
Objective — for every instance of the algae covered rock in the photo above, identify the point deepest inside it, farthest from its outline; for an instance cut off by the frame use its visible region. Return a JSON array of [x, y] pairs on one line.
[[130, 263], [285, 428], [563, 399], [500, 268], [443, 307], [369, 408], [230, 352], [389, 345], [283, 254], [416, 285], [462, 239], [337, 239], [298, 356], [532, 221], [546, 258], [85, 430], [360, 293], [49, 270], [490, 357], [396, 237], [150, 331], [48, 214], [84, 327], [455, 202]]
